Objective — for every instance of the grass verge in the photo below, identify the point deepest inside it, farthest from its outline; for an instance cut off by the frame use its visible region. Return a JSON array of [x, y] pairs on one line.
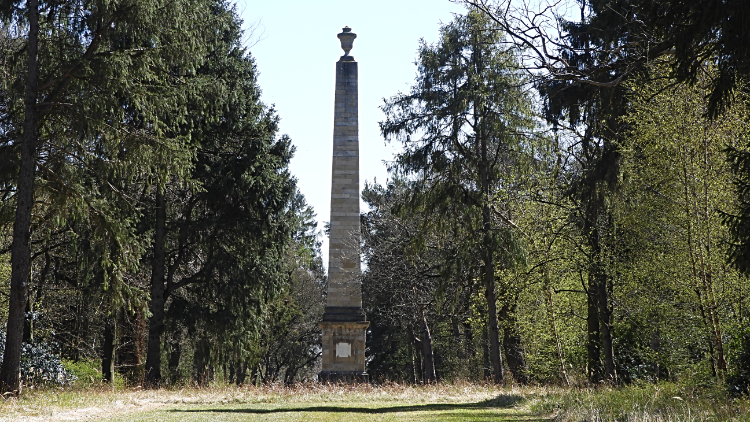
[[663, 402]]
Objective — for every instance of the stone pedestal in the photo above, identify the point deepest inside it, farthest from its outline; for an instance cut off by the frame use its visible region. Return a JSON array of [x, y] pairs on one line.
[[344, 324], [344, 351]]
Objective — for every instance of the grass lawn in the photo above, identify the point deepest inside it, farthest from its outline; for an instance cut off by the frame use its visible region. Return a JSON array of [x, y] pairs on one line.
[[496, 410], [460, 402]]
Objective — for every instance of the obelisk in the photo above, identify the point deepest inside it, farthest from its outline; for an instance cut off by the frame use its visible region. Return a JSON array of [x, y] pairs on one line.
[[344, 321]]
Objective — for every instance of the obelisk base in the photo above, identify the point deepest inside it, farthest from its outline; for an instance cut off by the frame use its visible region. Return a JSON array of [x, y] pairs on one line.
[[344, 332]]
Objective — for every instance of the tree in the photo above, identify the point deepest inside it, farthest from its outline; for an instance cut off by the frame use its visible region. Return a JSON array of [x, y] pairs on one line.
[[400, 287], [463, 125], [290, 339], [225, 225], [630, 34], [87, 67], [225, 236], [582, 68], [675, 164]]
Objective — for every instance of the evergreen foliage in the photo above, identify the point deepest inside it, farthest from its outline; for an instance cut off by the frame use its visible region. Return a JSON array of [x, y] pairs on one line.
[[465, 127], [41, 365], [155, 156]]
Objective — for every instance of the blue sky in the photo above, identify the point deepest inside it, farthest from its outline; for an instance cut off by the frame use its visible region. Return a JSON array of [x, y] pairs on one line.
[[296, 48]]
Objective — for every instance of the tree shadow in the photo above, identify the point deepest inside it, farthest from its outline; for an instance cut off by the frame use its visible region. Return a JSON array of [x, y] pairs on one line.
[[500, 402]]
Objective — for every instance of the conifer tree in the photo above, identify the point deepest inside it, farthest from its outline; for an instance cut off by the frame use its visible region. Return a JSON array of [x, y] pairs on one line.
[[464, 124], [100, 88]]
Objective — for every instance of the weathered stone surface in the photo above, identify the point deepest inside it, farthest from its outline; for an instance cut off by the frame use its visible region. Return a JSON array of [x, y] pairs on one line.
[[340, 333], [344, 321]]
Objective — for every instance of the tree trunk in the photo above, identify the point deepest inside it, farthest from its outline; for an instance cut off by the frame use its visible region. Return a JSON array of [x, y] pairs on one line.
[[553, 328], [512, 345], [202, 370], [605, 319], [21, 246], [471, 350], [721, 361], [419, 346], [493, 330], [108, 348], [241, 373], [427, 353], [175, 353], [486, 365], [232, 372], [594, 336], [290, 374], [156, 305], [487, 252], [413, 359], [82, 323], [695, 252], [458, 346]]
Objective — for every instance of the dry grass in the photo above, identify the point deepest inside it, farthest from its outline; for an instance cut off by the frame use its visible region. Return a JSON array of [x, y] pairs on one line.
[[104, 403], [389, 402]]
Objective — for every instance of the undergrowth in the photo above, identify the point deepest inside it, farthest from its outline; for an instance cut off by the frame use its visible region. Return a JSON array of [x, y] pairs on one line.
[[662, 402]]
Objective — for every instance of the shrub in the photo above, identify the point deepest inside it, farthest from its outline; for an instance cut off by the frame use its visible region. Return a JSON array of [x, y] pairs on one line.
[[88, 372], [739, 379], [40, 364]]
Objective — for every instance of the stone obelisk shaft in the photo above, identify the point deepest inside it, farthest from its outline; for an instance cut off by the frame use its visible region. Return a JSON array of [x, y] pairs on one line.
[[343, 257], [344, 322]]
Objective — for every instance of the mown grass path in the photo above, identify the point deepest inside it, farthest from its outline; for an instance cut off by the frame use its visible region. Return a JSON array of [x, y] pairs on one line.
[[505, 408], [313, 402]]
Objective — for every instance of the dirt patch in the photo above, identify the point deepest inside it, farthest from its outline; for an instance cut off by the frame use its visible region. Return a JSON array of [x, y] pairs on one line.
[[93, 413]]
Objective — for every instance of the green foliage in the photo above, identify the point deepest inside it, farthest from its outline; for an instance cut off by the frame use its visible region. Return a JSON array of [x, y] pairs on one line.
[[289, 348], [468, 91], [403, 293], [677, 188], [141, 98], [631, 33], [599, 253], [113, 101], [466, 128], [738, 381], [89, 374], [738, 155], [239, 220]]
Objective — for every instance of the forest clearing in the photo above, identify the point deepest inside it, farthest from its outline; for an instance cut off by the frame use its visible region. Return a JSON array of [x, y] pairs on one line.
[[388, 402]]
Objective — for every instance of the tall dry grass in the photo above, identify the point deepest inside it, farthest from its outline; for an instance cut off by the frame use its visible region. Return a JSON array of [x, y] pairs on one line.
[[101, 400]]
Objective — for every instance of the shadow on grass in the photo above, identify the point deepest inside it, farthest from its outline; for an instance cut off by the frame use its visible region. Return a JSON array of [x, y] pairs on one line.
[[500, 402]]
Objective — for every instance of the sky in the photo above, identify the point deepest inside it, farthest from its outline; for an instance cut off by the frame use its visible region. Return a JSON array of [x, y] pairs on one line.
[[295, 47]]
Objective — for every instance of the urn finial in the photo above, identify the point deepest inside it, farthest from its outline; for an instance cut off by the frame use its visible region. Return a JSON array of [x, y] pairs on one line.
[[347, 39]]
